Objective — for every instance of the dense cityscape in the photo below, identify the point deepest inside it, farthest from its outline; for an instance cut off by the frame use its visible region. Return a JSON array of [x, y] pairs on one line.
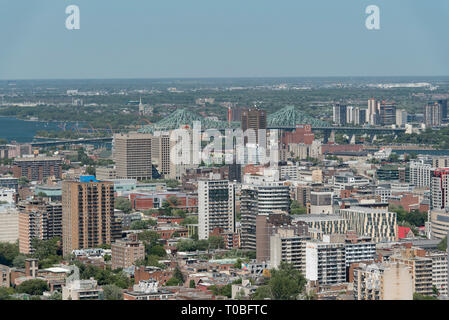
[[224, 189]]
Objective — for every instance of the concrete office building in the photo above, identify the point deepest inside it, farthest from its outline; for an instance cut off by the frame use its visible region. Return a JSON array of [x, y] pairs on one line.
[[87, 214], [132, 155], [320, 225], [377, 223], [216, 207]]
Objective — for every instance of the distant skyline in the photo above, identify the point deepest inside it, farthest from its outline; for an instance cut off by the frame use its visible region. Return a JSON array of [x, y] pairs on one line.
[[146, 39]]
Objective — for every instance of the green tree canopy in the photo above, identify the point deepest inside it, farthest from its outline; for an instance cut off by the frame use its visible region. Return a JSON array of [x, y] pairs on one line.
[[112, 292], [8, 251], [285, 283], [34, 287], [123, 204]]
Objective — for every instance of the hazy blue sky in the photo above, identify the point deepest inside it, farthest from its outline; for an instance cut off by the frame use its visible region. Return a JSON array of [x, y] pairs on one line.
[[227, 38]]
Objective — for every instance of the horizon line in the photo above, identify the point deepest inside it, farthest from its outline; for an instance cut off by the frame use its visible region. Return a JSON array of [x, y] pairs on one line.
[[227, 77]]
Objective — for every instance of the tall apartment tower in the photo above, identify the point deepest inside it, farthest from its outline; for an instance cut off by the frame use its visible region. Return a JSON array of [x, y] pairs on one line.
[[254, 119], [38, 219], [401, 117], [216, 207], [267, 198], [132, 154], [420, 174], [387, 113], [443, 103], [372, 112], [266, 224], [160, 153], [433, 114], [340, 114], [439, 191], [87, 214]]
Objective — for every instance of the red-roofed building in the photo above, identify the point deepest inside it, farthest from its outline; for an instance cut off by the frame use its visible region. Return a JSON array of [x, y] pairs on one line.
[[404, 232]]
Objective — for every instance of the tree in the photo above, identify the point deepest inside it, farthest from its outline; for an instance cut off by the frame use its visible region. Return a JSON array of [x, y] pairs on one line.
[[19, 261], [142, 224], [173, 201], [216, 242], [190, 220], [5, 293], [45, 249], [172, 183], [443, 244], [55, 296], [23, 181], [48, 252], [173, 282], [157, 250], [90, 170], [192, 284], [112, 292], [148, 236], [8, 251], [123, 204], [178, 275], [34, 287], [417, 296], [286, 283], [296, 208]]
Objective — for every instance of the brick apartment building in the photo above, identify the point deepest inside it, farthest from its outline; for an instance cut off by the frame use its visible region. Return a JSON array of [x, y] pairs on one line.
[[37, 168], [88, 214]]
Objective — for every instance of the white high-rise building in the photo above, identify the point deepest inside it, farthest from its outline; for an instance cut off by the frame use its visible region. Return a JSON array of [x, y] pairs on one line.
[[9, 224], [420, 174], [401, 117], [216, 207], [325, 262]]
